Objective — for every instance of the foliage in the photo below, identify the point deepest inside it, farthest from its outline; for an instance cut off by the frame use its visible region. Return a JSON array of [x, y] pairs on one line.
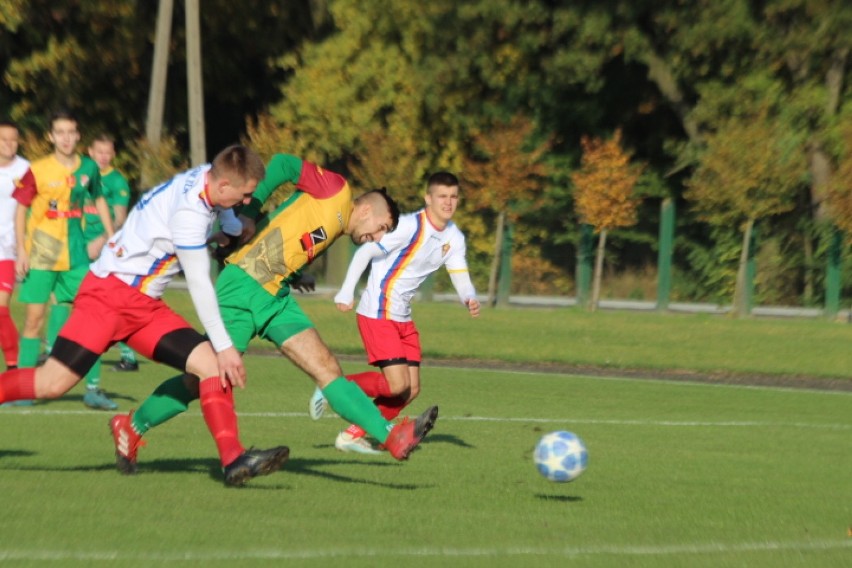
[[603, 194], [840, 194], [750, 170], [502, 173]]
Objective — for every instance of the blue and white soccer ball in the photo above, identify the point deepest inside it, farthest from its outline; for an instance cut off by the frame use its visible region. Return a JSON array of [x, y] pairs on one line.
[[561, 456]]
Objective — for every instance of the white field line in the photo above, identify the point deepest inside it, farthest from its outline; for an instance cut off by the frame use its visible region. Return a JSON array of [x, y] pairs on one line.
[[709, 548], [536, 420]]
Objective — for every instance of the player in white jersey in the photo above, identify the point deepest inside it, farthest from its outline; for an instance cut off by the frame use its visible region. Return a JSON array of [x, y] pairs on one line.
[[119, 300], [14, 172], [422, 243]]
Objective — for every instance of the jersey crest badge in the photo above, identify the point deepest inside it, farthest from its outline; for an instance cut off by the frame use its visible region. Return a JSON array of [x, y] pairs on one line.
[[311, 240], [445, 248]]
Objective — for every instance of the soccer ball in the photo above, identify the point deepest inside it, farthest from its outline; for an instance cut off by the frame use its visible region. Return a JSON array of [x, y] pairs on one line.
[[561, 456]]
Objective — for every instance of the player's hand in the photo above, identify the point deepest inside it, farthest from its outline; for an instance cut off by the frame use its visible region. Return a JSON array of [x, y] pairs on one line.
[[231, 369], [22, 265], [305, 283], [219, 238], [345, 307], [473, 307], [249, 228]]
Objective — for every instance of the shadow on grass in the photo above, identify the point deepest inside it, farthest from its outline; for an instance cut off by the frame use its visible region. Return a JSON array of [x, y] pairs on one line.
[[558, 498], [15, 453], [308, 467], [446, 439]]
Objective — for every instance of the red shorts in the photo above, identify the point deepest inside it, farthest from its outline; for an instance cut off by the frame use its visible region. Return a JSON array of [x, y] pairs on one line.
[[106, 310], [387, 340], [7, 276]]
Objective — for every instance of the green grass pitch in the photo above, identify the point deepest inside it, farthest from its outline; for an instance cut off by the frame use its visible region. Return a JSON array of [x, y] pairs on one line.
[[680, 474]]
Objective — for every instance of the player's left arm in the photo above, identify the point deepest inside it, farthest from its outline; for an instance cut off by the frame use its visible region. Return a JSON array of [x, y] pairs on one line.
[[460, 277]]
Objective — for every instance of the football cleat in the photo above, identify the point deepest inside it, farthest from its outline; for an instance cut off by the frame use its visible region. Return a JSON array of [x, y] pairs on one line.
[[406, 435], [98, 400], [348, 443], [127, 443], [252, 463], [317, 405]]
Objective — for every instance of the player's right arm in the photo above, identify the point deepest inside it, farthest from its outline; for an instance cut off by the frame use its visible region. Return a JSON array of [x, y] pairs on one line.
[[345, 297], [190, 241], [22, 260], [25, 192], [282, 168]]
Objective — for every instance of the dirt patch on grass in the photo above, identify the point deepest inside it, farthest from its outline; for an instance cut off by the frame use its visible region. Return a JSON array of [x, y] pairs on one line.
[[757, 380], [745, 379]]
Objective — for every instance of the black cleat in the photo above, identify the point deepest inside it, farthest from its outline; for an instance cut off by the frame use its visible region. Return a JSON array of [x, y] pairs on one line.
[[125, 365], [425, 422], [252, 463]]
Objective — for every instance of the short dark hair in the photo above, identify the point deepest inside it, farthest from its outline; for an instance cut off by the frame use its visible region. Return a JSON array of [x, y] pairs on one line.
[[382, 193], [240, 161], [9, 123], [442, 178], [62, 114]]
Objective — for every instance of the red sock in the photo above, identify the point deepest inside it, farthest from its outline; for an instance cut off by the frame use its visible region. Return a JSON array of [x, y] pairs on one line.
[[217, 406], [8, 337], [17, 384], [372, 383], [356, 431], [391, 406]]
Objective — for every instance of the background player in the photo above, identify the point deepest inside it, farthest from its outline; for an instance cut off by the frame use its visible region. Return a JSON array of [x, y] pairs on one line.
[[399, 263]]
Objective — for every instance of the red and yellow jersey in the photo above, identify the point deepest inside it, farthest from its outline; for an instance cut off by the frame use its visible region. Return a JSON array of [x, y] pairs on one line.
[[302, 227], [54, 236]]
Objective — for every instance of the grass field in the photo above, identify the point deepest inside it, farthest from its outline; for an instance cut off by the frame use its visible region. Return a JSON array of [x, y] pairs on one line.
[[680, 474]]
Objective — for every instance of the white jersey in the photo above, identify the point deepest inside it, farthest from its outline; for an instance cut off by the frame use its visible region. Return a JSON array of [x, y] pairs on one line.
[[9, 178], [171, 220], [401, 261]]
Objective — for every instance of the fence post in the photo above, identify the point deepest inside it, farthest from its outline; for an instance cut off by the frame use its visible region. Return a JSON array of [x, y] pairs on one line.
[[832, 273], [585, 257], [664, 255]]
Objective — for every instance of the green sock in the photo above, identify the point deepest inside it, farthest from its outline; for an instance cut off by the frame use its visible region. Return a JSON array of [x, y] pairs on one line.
[[28, 351], [167, 401], [58, 316], [93, 377], [349, 401], [127, 354]]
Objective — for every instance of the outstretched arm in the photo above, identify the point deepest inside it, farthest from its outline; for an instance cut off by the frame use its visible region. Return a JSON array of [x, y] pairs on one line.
[[345, 298]]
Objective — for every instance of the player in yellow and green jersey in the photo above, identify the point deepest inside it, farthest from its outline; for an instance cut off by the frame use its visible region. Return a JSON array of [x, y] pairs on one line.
[[52, 256]]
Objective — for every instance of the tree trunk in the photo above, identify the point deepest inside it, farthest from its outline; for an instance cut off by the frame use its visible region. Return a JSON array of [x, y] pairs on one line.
[[495, 263], [808, 252], [740, 307], [820, 162], [661, 75], [599, 261]]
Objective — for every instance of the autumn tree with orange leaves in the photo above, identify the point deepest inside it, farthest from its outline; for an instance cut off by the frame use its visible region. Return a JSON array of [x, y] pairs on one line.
[[504, 176], [603, 194]]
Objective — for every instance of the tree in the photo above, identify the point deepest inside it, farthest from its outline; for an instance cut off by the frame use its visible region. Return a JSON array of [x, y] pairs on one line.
[[749, 171], [504, 177], [603, 194]]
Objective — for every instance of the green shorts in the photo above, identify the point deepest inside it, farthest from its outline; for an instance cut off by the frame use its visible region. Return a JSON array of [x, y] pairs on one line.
[[250, 311], [38, 284]]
